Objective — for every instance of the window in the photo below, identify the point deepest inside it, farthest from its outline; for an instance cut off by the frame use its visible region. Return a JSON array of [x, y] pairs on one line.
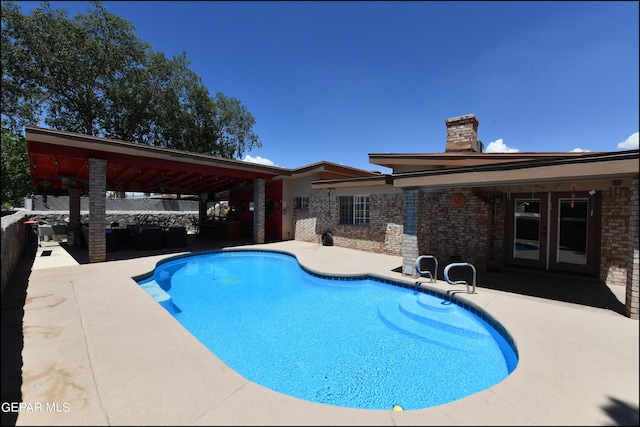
[[301, 203], [354, 210]]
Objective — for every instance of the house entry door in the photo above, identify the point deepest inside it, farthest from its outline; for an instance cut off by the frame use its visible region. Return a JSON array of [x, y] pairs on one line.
[[553, 231]]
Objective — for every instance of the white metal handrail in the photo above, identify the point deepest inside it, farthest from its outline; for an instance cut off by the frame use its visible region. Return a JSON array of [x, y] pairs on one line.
[[427, 272], [460, 282]]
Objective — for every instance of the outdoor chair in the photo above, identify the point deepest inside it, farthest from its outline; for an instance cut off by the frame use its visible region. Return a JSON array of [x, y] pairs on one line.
[[174, 237], [147, 237]]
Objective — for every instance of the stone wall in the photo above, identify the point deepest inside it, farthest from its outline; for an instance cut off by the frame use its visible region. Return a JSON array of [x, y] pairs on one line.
[[61, 203], [124, 218], [13, 229], [304, 225], [13, 245]]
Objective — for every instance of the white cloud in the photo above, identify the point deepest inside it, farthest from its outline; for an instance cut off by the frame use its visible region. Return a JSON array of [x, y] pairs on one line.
[[580, 150], [498, 146], [259, 160], [630, 143]]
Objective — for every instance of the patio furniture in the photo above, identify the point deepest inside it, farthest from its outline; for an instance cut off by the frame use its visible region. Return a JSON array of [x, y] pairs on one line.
[[44, 232], [112, 240], [122, 235], [110, 237], [174, 237], [146, 237]]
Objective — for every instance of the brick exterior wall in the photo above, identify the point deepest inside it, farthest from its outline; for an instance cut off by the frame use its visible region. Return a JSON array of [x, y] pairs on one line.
[[97, 204], [418, 222], [633, 260], [259, 214], [449, 240], [614, 241], [409, 225], [462, 133], [383, 235], [497, 242]]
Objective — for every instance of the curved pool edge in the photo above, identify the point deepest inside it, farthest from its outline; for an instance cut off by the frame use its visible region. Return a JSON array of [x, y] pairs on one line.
[[124, 372], [453, 294]]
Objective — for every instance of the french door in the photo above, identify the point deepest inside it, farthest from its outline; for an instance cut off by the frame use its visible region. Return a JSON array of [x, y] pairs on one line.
[[554, 231]]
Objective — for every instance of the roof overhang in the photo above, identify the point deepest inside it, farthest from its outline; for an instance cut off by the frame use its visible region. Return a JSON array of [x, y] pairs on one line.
[[353, 182], [540, 170], [329, 170], [60, 160], [599, 166], [424, 161]]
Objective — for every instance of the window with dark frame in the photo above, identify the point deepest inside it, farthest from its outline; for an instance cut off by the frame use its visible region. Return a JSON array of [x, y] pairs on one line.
[[354, 210], [300, 202]]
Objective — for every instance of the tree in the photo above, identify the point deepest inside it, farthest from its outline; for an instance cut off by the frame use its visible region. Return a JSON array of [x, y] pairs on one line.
[[93, 75], [16, 180]]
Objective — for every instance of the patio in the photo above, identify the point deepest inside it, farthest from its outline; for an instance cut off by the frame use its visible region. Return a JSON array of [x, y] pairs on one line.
[[100, 351]]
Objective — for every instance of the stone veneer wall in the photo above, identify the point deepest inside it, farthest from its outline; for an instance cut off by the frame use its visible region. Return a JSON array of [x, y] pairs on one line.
[[13, 242], [304, 225], [125, 218], [614, 244], [410, 251], [13, 229]]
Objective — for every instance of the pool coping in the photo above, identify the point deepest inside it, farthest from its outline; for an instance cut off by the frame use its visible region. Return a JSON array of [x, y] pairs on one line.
[[95, 340]]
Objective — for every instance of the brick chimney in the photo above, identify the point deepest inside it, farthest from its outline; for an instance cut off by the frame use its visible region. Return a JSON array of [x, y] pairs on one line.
[[462, 134]]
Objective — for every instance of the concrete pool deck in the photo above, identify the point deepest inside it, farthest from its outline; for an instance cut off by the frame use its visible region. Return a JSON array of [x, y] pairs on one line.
[[98, 350]]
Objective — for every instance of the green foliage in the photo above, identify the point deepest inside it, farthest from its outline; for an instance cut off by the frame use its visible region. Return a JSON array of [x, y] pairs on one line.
[[16, 180], [91, 74]]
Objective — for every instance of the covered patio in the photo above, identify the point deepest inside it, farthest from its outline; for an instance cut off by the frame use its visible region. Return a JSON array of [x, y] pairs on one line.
[[65, 162]]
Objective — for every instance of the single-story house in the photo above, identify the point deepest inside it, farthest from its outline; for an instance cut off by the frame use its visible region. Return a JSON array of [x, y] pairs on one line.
[[563, 212]]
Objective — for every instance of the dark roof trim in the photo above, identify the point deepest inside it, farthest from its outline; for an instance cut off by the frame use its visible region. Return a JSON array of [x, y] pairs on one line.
[[452, 158], [519, 165], [353, 182]]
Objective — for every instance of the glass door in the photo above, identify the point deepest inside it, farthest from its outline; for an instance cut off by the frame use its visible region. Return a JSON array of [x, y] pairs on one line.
[[528, 230], [554, 231], [571, 242], [574, 232]]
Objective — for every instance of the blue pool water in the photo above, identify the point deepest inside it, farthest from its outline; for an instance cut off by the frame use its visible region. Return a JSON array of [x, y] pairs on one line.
[[356, 342]]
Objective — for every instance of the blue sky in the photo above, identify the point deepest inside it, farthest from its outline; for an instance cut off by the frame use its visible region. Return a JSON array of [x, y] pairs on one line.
[[336, 80]]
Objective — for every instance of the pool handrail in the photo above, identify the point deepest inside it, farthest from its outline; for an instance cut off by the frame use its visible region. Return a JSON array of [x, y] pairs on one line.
[[427, 272], [460, 282]]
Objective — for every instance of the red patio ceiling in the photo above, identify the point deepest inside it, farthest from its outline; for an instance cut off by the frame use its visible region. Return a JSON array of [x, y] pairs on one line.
[[66, 166]]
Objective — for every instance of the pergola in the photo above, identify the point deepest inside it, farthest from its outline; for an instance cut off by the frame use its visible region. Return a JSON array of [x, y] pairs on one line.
[[75, 162]]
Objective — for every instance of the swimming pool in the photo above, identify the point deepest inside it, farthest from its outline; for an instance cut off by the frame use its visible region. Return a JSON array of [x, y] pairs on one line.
[[357, 342]]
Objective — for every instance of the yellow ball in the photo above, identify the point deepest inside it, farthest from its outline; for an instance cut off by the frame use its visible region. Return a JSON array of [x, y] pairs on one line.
[[397, 408]]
